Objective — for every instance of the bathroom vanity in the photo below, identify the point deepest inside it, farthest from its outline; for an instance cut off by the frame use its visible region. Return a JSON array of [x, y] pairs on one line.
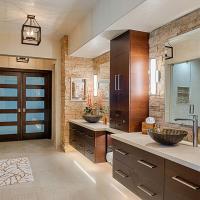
[[93, 140], [91, 143], [154, 171]]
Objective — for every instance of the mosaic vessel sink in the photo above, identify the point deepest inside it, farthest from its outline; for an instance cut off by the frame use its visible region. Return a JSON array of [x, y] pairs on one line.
[[167, 136], [92, 118]]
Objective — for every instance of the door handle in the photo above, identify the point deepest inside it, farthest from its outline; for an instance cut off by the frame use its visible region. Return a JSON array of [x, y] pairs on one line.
[[118, 82], [115, 82], [19, 110], [24, 109]]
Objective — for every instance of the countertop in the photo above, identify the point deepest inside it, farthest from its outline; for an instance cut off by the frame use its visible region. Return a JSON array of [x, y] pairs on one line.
[[182, 153], [95, 126]]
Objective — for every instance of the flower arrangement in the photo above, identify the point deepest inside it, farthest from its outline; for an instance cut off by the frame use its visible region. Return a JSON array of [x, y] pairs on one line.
[[94, 107]]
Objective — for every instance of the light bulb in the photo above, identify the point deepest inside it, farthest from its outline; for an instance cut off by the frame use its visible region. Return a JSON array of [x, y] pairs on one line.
[[31, 33]]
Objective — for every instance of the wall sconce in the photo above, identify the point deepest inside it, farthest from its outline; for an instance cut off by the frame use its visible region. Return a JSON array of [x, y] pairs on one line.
[[169, 52], [95, 85], [22, 59], [155, 77]]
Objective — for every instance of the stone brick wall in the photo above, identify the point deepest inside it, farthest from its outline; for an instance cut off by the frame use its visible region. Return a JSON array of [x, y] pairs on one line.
[[157, 40], [77, 68]]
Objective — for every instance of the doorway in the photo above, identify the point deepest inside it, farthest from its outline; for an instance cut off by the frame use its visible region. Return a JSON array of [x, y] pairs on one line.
[[25, 104]]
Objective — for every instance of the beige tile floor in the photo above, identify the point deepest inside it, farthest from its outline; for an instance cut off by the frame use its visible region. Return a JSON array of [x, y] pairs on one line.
[[61, 176]]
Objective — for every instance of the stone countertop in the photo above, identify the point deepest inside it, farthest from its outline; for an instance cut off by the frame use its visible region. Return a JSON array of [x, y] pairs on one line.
[[95, 126], [182, 153]]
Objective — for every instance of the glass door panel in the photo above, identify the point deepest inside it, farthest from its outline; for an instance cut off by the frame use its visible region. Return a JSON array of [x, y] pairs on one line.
[[35, 80], [35, 92], [34, 116], [8, 92], [35, 104], [8, 105], [36, 128], [7, 117], [6, 79]]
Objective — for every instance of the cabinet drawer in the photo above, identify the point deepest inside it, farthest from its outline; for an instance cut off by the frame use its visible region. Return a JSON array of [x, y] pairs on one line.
[[125, 175], [149, 166], [181, 183], [150, 170], [123, 153]]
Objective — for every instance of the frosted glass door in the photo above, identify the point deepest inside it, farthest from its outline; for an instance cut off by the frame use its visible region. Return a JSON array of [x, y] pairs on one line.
[[36, 105], [25, 104], [10, 103]]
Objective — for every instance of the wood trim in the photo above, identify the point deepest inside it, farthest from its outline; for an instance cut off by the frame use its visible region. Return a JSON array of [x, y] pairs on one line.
[[8, 123], [8, 86], [35, 122], [8, 111], [9, 98], [35, 86], [11, 70], [35, 98]]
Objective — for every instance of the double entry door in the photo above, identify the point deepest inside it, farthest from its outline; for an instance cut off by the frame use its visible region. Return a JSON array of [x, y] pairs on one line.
[[25, 104]]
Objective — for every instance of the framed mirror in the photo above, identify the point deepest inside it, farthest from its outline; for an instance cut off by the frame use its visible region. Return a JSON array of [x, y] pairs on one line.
[[78, 89]]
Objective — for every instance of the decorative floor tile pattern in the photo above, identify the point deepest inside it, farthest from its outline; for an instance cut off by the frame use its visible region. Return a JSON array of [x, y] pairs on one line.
[[13, 171]]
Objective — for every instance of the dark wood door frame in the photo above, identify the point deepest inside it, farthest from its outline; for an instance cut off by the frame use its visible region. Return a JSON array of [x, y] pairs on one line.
[[21, 73]]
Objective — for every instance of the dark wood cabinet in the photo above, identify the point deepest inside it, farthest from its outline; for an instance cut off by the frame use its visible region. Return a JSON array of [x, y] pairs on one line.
[[152, 177], [90, 143], [138, 170], [129, 96]]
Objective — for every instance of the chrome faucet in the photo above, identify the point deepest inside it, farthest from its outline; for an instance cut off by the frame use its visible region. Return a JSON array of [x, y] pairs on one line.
[[194, 128]]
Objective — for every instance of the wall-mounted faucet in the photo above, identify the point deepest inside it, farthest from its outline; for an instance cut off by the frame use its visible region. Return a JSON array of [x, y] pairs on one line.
[[194, 128]]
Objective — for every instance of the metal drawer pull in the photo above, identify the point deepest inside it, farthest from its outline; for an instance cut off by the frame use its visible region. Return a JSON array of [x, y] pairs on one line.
[[120, 173], [142, 162], [146, 191], [182, 181], [121, 152]]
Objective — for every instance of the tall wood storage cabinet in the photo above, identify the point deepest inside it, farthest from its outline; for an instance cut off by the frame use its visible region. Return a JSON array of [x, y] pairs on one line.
[[129, 81]]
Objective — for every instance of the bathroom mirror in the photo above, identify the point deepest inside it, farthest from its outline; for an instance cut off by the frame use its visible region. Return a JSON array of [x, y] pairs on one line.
[[182, 79]]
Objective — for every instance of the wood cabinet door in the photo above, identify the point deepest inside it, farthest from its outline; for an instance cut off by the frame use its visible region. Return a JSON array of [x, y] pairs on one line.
[[119, 77], [113, 85]]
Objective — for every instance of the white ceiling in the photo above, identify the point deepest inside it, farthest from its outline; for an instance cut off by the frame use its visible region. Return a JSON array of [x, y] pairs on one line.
[[147, 17], [56, 17]]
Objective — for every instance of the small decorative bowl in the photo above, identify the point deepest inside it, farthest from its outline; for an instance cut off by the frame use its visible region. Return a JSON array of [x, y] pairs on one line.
[[92, 118], [167, 136]]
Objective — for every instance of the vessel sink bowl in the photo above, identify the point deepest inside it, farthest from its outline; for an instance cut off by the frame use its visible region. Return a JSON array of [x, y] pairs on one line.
[[167, 136], [92, 118]]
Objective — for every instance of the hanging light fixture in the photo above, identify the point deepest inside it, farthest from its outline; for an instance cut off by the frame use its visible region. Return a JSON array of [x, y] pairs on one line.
[[31, 31]]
